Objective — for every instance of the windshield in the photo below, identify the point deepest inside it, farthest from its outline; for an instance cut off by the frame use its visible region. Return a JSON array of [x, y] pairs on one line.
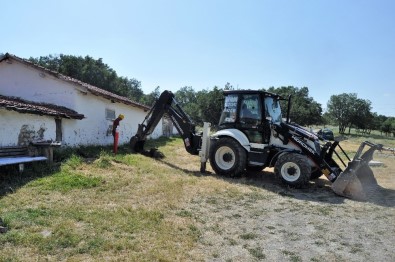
[[273, 110], [229, 113]]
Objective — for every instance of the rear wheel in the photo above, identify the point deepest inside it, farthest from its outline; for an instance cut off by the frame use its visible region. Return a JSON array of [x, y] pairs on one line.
[[293, 169], [228, 157]]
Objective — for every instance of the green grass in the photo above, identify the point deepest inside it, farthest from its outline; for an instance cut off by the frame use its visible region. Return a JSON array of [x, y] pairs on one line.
[[257, 253], [248, 236], [93, 204]]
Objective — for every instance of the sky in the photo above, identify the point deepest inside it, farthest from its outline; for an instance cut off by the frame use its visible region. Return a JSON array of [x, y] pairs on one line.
[[330, 46]]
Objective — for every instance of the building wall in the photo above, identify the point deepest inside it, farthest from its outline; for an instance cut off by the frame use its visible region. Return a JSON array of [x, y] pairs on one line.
[[96, 129], [20, 129], [23, 81]]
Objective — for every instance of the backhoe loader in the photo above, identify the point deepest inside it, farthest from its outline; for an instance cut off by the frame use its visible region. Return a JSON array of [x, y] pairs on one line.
[[252, 135]]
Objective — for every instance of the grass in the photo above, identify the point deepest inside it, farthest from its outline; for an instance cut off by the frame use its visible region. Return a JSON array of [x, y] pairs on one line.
[[257, 253], [124, 206], [248, 236], [98, 206], [95, 204]]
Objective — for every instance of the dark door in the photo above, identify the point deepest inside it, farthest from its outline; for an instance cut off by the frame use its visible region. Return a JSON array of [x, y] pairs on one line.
[[250, 117]]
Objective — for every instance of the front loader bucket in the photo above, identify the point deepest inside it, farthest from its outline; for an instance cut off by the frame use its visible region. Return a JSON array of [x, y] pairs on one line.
[[357, 180]]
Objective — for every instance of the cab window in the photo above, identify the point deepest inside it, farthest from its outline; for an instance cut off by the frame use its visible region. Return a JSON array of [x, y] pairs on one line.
[[273, 110], [230, 108], [250, 109]]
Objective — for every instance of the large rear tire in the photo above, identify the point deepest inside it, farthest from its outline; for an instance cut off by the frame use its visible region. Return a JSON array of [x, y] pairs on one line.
[[228, 157], [293, 169]]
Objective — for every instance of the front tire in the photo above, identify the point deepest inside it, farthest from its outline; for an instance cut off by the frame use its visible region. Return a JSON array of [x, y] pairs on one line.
[[228, 157], [293, 169]]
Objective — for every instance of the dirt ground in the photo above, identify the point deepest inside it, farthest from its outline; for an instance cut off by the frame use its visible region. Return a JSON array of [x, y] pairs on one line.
[[271, 222]]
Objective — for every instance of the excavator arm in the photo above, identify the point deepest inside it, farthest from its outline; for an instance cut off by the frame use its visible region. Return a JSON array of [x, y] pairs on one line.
[[167, 105]]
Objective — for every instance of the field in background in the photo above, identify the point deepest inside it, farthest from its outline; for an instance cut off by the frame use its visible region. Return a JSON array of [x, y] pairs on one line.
[[129, 207]]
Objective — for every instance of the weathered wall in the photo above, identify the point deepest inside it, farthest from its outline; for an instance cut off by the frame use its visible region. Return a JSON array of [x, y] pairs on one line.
[[23, 81], [95, 128], [20, 129]]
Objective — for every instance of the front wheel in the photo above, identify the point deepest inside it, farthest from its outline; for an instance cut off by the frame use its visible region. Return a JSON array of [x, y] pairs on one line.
[[228, 157], [293, 169]]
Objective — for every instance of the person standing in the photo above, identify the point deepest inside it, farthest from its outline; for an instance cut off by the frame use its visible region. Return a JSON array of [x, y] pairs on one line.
[[115, 124], [114, 131]]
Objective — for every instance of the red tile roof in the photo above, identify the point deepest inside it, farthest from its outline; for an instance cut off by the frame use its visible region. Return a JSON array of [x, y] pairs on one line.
[[92, 89], [24, 106]]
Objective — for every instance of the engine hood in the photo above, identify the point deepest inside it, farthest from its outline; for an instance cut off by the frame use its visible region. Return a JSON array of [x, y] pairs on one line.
[[301, 131]]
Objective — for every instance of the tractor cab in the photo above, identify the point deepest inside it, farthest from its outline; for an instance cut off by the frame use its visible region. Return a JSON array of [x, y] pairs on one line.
[[251, 112]]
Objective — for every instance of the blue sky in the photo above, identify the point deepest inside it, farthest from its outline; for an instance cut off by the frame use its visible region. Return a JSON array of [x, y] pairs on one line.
[[330, 46]]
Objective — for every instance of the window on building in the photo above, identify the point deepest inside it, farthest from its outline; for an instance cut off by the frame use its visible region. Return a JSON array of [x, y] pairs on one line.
[[110, 114], [58, 123]]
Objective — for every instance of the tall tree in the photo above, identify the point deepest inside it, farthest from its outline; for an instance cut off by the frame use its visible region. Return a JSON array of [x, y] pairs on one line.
[[187, 98], [388, 126], [361, 116], [150, 99], [210, 104], [340, 107], [304, 110], [92, 71], [349, 110]]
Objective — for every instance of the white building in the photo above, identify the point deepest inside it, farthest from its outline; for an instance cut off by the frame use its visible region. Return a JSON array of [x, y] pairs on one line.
[[39, 104]]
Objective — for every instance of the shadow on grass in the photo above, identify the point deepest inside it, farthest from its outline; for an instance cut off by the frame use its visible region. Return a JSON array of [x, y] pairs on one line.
[[11, 179], [318, 190]]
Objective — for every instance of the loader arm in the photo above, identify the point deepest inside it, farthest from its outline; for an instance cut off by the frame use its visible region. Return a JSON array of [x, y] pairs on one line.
[[167, 105]]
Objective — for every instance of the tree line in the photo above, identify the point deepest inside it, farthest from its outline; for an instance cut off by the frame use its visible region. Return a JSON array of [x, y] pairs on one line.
[[345, 110]]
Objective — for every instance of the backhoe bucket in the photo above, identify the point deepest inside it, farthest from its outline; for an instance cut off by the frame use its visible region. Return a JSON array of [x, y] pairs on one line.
[[136, 144], [357, 180]]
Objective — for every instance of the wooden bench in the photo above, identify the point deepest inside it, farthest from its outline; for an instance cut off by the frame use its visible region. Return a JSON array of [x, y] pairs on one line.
[[12, 155]]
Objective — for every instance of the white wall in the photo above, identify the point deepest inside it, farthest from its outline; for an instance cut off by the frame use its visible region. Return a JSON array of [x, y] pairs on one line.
[[93, 129], [23, 81], [13, 125]]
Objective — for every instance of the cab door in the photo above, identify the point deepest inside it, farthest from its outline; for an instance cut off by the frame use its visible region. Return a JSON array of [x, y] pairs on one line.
[[250, 117]]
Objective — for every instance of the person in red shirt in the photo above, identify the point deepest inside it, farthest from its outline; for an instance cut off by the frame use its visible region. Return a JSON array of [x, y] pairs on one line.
[[114, 132], [116, 124]]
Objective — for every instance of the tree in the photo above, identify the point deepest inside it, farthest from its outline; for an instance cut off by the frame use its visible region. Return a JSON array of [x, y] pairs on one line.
[[349, 110], [378, 121], [304, 111], [210, 104], [388, 126], [150, 99], [187, 98], [340, 107], [361, 117], [203, 106], [92, 71]]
